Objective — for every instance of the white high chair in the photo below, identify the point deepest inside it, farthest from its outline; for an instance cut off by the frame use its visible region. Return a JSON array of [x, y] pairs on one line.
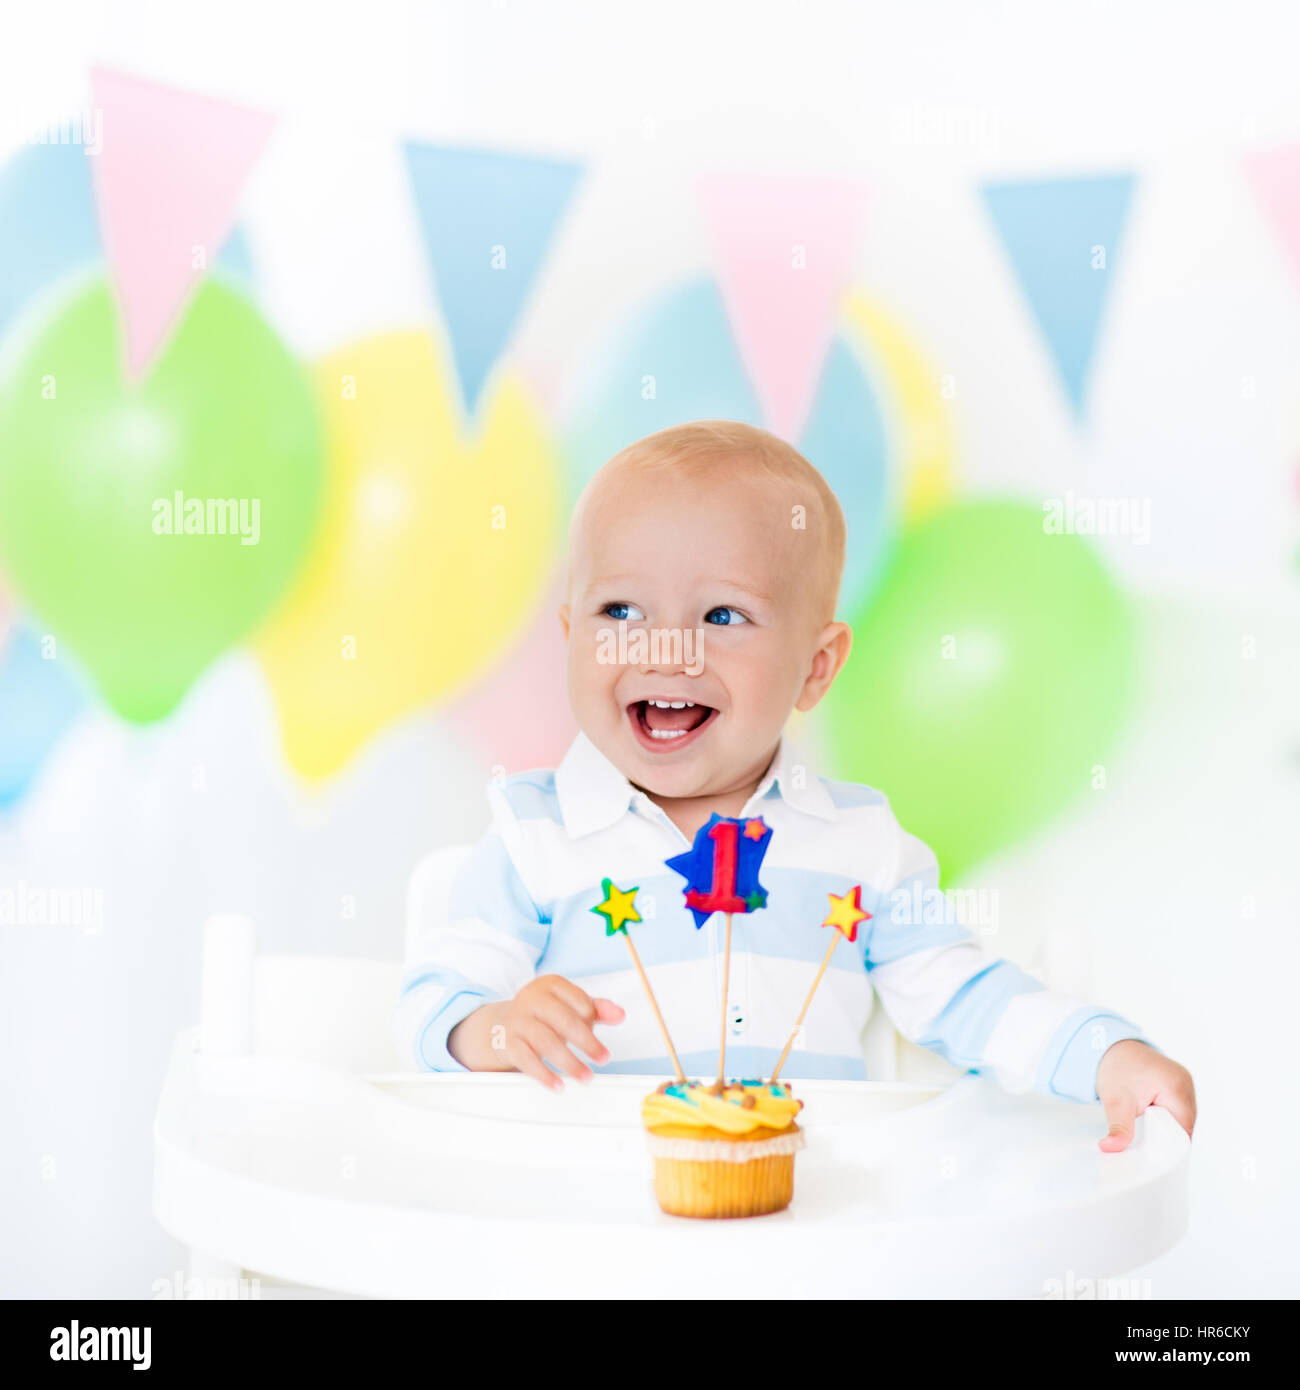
[[290, 1145], [334, 1011]]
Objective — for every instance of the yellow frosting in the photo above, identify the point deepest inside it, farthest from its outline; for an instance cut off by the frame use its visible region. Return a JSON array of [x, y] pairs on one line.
[[693, 1105]]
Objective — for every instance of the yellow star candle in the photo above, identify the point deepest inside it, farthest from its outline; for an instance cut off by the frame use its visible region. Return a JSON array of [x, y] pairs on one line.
[[844, 916], [618, 909]]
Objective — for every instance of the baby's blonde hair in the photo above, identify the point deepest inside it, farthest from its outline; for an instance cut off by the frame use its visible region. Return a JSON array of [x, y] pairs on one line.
[[701, 445]]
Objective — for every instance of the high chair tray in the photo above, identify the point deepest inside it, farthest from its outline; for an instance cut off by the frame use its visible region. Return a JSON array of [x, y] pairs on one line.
[[460, 1185]]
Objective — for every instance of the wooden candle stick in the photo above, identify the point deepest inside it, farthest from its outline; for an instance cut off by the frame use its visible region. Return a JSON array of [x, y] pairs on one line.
[[845, 914], [726, 990], [618, 909]]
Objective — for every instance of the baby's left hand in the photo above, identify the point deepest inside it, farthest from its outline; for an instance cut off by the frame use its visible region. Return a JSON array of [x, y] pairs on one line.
[[1133, 1076]]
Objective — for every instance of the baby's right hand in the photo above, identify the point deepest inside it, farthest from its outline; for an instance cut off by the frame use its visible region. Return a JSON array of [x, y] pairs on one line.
[[547, 1017]]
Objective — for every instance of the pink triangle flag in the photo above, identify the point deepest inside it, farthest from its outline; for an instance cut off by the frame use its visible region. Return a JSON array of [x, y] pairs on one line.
[[1275, 177], [167, 184], [784, 251]]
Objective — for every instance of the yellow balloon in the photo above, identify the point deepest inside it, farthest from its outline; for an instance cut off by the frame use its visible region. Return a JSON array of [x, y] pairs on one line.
[[432, 556], [926, 443]]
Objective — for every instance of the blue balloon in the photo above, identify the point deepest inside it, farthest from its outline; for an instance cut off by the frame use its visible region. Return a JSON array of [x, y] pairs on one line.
[[677, 361], [48, 227], [39, 700]]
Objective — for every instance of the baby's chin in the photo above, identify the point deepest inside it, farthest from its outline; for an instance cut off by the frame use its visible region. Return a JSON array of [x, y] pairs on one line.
[[674, 784], [678, 777]]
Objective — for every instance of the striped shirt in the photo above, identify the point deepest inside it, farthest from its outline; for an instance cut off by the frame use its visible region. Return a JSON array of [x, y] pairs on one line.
[[520, 906]]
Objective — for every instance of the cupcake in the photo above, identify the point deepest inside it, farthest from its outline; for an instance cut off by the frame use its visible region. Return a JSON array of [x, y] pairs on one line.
[[723, 1150]]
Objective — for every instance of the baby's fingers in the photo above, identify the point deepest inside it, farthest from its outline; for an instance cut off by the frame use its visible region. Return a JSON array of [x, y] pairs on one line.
[[528, 1062], [573, 996], [1121, 1109], [548, 1043], [609, 1012], [574, 1030], [1180, 1101]]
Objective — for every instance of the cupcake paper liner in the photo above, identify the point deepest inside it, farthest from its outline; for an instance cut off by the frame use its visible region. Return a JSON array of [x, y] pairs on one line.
[[724, 1150], [720, 1190]]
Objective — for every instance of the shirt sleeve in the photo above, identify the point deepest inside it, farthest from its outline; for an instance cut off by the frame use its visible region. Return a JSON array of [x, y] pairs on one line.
[[943, 990], [482, 944]]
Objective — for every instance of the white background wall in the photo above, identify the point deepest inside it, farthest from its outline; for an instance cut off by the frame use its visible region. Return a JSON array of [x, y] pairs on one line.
[[1172, 895]]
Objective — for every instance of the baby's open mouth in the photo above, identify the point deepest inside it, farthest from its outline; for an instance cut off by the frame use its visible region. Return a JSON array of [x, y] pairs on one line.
[[667, 723]]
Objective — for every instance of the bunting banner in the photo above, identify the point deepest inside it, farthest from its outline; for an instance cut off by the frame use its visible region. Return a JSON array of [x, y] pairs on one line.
[[1062, 237], [167, 185], [1275, 178], [487, 219], [49, 228], [784, 251]]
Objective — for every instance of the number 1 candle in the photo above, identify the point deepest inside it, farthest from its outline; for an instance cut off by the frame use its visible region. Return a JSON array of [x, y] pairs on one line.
[[721, 873]]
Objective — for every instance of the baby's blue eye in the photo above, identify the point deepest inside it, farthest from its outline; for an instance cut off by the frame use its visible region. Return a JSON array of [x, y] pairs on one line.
[[725, 617], [623, 612]]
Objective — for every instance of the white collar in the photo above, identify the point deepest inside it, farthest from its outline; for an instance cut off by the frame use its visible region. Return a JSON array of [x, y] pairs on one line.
[[593, 793]]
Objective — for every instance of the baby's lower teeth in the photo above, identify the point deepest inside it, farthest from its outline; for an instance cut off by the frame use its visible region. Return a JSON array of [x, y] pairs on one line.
[[666, 733]]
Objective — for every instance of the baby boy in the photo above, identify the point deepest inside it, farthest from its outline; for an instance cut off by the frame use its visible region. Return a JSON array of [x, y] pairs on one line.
[[704, 568]]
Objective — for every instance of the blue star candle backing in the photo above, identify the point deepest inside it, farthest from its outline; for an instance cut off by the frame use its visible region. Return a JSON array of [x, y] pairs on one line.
[[721, 867]]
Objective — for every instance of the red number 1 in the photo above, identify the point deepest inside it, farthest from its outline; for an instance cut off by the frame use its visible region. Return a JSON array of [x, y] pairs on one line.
[[721, 896]]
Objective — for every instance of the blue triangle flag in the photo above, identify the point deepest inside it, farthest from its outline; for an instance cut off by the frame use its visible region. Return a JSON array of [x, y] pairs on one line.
[[1062, 236], [487, 220]]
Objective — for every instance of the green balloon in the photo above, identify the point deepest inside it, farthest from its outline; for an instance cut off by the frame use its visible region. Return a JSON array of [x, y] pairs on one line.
[[116, 518], [988, 678]]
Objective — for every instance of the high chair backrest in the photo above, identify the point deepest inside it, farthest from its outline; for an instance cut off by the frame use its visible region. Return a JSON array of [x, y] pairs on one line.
[[330, 1010], [426, 897], [335, 1011]]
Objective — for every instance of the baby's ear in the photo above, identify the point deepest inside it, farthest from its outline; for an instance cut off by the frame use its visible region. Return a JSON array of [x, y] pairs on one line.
[[832, 652], [564, 619]]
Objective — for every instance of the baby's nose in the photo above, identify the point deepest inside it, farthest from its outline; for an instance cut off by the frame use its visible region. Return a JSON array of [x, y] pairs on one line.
[[671, 652]]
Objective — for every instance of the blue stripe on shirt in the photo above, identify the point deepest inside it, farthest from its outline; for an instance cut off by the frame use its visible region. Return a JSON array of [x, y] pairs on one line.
[[1070, 1064], [531, 796], [961, 1030], [489, 888]]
